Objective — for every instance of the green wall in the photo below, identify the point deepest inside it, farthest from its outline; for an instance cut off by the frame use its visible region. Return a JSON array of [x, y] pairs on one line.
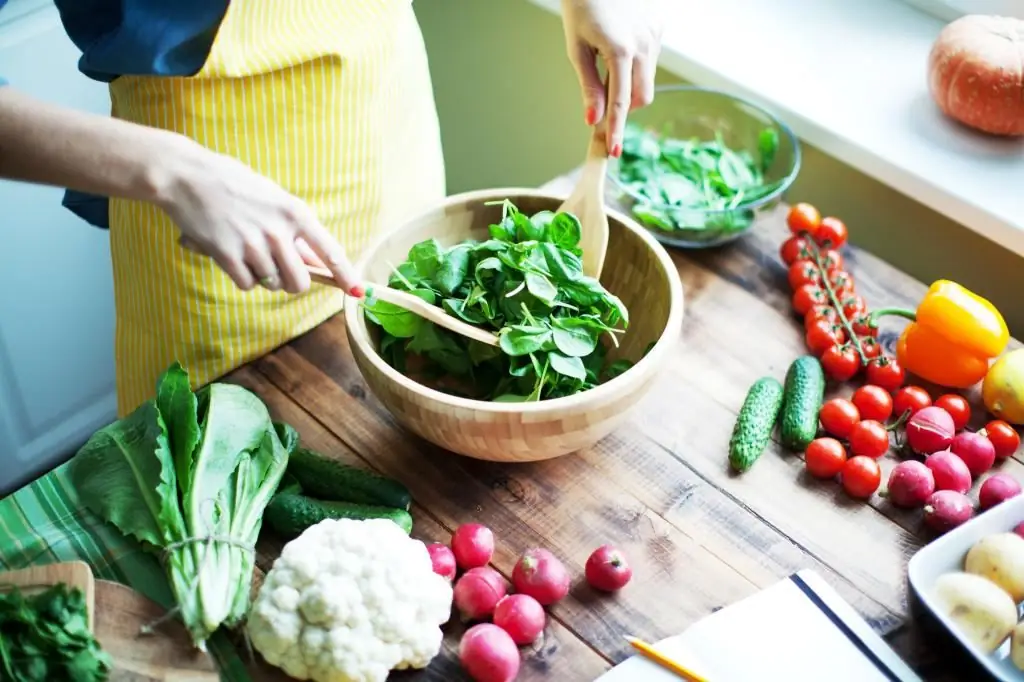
[[511, 115]]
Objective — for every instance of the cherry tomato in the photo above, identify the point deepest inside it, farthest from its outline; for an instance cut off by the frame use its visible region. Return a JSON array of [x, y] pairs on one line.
[[832, 260], [806, 296], [842, 283], [869, 439], [1003, 436], [957, 406], [803, 218], [822, 335], [804, 272], [861, 477], [885, 372], [869, 346], [840, 362], [824, 457], [831, 232], [794, 249], [820, 312], [873, 402], [861, 326], [913, 398], [853, 304], [838, 416]]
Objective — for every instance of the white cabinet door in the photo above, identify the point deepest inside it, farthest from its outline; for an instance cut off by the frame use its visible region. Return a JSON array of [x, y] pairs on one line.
[[56, 298]]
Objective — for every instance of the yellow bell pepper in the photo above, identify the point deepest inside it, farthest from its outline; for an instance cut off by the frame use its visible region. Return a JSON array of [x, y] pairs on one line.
[[953, 336]]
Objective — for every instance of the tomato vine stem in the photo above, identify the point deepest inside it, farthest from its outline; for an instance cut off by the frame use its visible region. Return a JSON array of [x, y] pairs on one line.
[[836, 303]]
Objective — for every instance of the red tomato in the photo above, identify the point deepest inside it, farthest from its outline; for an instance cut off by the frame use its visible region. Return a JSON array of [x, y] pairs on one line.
[[831, 232], [885, 372], [1003, 436], [803, 218], [842, 283], [860, 325], [852, 305], [807, 296], [957, 406], [869, 346], [804, 272], [820, 312], [822, 335], [869, 439], [861, 477], [794, 249], [913, 398], [832, 260], [873, 402], [824, 457], [838, 417], [840, 362]]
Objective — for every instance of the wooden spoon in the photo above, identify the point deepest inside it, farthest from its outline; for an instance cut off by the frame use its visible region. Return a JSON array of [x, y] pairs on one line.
[[587, 203], [415, 305]]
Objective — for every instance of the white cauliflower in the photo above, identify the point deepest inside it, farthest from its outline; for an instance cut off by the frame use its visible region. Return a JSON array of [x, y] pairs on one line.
[[349, 601]]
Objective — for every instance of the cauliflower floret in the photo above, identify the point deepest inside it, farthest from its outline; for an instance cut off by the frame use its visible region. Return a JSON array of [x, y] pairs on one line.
[[349, 601]]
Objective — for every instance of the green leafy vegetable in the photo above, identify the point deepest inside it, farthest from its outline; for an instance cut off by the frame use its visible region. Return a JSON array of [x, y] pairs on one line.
[[45, 637], [678, 181], [527, 284], [188, 475]]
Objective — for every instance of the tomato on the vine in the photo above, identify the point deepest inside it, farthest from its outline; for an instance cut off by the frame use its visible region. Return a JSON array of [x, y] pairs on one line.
[[1003, 436], [842, 283], [861, 325], [803, 218], [853, 304], [806, 296], [873, 402], [832, 260], [824, 457], [885, 372], [869, 439], [822, 335], [913, 398], [794, 249], [840, 362], [831, 232], [957, 406], [838, 416], [870, 347], [861, 477], [804, 272], [820, 312]]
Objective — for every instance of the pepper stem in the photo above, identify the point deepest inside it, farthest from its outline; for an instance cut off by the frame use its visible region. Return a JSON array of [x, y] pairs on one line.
[[895, 312]]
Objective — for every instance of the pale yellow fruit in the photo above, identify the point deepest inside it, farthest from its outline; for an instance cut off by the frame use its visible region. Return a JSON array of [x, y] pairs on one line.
[[1003, 387], [1000, 558], [981, 610]]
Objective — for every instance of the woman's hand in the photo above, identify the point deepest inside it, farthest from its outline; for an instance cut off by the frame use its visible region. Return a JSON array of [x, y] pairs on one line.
[[626, 34], [255, 230]]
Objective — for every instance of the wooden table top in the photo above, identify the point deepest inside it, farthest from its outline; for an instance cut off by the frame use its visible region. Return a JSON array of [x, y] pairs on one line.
[[698, 537]]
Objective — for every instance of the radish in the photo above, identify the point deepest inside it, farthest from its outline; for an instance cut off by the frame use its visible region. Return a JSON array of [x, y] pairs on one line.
[[521, 616], [947, 509], [607, 569], [930, 429], [1019, 529], [541, 575], [478, 591], [975, 450], [473, 545], [911, 483], [950, 471], [488, 654], [997, 488], [442, 559]]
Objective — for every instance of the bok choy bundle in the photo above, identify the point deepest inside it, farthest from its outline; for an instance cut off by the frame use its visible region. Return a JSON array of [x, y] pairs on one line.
[[188, 474]]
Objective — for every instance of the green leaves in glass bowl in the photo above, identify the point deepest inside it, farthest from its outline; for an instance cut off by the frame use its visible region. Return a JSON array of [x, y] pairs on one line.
[[525, 283]]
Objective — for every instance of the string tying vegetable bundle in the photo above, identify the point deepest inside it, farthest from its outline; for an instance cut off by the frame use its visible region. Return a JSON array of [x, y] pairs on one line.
[[527, 284], [188, 475]]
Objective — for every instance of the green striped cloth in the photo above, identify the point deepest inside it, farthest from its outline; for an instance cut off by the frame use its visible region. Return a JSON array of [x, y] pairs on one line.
[[43, 523]]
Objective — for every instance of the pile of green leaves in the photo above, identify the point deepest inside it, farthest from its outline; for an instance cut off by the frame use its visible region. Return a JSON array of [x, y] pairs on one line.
[[679, 180], [45, 637], [184, 467], [527, 284]]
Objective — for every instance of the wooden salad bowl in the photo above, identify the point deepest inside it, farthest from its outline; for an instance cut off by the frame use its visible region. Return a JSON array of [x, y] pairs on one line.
[[637, 269]]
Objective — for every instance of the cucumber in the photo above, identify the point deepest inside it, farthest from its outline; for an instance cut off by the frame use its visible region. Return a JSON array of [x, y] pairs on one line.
[[289, 514], [754, 425], [328, 479], [803, 395]]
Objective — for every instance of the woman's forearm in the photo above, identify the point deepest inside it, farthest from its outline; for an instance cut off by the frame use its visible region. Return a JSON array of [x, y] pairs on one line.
[[52, 145]]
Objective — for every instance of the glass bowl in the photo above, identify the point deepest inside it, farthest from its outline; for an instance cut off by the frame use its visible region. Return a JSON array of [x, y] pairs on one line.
[[699, 166]]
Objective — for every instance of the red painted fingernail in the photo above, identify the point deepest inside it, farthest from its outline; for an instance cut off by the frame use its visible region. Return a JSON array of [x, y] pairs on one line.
[[591, 116], [357, 291], [617, 150]]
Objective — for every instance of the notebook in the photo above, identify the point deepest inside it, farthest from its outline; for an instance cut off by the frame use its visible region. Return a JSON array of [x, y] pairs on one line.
[[798, 630]]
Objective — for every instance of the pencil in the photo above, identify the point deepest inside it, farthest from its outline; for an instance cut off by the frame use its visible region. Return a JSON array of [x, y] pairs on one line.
[[648, 651]]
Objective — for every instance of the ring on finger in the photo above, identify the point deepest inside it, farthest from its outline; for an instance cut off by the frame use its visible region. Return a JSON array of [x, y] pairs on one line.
[[271, 281]]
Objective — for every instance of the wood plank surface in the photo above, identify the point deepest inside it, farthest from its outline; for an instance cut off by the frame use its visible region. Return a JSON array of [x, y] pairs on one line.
[[699, 537]]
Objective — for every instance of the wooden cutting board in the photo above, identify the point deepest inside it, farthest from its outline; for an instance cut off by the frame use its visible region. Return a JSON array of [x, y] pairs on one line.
[[38, 578]]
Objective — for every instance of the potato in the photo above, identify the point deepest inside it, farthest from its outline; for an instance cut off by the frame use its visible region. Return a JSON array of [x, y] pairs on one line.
[[1000, 558], [1017, 646], [981, 610]]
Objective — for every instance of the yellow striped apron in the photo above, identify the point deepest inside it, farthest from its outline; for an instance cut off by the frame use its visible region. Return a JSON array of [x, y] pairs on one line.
[[332, 99]]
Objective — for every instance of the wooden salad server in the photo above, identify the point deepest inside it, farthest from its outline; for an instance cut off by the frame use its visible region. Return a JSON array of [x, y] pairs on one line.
[[415, 305], [587, 203]]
